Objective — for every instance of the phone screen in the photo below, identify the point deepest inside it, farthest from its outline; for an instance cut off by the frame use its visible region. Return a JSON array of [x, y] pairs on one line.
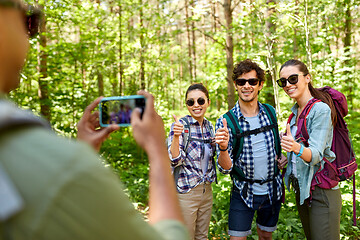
[[118, 109]]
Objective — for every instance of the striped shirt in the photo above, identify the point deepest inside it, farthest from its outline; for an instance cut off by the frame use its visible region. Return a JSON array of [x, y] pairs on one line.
[[191, 174], [246, 159]]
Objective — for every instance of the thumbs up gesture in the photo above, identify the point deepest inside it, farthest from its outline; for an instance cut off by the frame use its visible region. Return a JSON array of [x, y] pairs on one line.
[[287, 141], [178, 127], [222, 135]]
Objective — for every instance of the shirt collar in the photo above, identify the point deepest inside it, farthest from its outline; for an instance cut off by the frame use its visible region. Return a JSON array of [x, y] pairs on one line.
[[239, 114]]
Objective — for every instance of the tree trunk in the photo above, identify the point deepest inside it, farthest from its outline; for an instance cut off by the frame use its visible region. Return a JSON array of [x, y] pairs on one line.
[[271, 97], [43, 92], [347, 54], [229, 54], [142, 50], [193, 41], [100, 79], [121, 70], [189, 40]]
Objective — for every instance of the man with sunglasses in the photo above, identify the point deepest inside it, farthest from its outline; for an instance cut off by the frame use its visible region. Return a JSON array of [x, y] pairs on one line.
[[53, 188], [247, 148]]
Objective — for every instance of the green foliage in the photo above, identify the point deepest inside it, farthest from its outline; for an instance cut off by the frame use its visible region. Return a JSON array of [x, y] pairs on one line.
[[90, 40]]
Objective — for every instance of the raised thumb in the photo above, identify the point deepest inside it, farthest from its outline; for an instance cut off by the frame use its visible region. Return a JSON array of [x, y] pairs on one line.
[[224, 123]]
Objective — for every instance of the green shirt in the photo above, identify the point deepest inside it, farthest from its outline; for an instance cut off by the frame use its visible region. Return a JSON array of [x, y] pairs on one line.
[[68, 193]]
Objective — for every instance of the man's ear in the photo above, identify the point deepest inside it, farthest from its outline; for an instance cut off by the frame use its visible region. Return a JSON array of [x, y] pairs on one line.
[[261, 85]]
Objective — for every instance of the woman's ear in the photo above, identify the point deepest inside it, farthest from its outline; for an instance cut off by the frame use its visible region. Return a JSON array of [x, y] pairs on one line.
[[308, 78]]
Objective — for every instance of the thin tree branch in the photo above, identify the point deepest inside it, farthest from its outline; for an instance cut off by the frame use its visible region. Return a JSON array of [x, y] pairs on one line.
[[211, 37]]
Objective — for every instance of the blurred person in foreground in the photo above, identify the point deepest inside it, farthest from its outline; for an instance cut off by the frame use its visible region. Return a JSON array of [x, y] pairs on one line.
[[54, 188]]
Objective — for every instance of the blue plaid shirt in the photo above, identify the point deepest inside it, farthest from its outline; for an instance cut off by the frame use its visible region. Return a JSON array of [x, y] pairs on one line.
[[246, 160], [191, 174]]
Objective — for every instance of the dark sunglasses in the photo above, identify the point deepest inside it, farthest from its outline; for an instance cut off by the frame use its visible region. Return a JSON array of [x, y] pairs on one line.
[[33, 15], [251, 81], [292, 79], [190, 102]]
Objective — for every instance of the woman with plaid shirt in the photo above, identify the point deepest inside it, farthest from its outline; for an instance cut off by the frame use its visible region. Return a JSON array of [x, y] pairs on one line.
[[191, 151]]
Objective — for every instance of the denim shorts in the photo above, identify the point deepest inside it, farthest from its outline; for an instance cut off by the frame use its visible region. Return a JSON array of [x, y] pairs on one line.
[[241, 216]]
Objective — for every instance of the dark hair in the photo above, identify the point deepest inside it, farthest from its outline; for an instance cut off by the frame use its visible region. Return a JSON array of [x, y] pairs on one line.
[[323, 96], [246, 66], [197, 86]]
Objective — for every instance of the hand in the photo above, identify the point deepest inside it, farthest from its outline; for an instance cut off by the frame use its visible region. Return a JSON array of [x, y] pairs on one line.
[[178, 127], [287, 141], [222, 135], [282, 161], [149, 131], [88, 127]]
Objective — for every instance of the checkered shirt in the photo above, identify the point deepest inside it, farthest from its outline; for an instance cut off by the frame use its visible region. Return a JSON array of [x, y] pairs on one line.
[[246, 160], [191, 174]]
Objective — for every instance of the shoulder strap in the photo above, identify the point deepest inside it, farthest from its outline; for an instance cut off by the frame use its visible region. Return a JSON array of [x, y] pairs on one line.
[[270, 111], [302, 132], [12, 117], [187, 133], [238, 140]]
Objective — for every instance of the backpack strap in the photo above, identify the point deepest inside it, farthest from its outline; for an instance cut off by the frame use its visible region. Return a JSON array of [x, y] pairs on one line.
[[238, 140], [270, 111], [302, 133], [12, 117]]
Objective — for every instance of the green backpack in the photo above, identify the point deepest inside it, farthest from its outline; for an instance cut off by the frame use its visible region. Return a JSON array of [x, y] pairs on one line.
[[238, 142]]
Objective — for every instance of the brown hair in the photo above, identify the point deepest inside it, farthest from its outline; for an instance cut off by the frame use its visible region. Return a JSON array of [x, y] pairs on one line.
[[246, 66], [323, 96], [197, 86]]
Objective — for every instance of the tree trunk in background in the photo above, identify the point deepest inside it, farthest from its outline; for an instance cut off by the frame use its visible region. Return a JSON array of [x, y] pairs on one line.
[[100, 79], [272, 96], [347, 45], [229, 54], [43, 92], [193, 40], [295, 43], [189, 40], [121, 70], [142, 50]]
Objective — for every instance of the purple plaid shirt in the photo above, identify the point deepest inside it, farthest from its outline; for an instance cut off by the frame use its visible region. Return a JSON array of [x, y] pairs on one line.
[[191, 174]]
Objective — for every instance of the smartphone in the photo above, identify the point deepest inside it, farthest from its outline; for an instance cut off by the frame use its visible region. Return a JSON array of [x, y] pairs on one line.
[[118, 109]]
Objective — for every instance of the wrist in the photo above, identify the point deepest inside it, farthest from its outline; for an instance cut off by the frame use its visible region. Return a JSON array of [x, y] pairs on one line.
[[223, 149], [301, 150]]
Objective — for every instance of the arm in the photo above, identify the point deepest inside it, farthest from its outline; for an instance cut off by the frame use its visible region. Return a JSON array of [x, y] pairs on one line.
[[222, 139], [289, 145], [88, 127], [149, 133], [319, 133], [177, 129]]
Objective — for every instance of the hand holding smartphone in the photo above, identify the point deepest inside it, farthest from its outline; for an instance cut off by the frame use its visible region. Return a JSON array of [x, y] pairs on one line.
[[117, 110]]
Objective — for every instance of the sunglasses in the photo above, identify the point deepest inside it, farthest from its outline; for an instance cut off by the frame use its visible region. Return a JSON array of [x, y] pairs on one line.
[[33, 15], [190, 102], [251, 81], [292, 79]]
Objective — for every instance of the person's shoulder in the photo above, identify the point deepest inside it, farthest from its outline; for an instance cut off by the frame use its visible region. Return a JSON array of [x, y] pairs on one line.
[[43, 146], [321, 107]]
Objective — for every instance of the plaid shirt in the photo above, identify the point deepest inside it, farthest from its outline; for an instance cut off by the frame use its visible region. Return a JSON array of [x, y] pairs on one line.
[[246, 160], [191, 174]]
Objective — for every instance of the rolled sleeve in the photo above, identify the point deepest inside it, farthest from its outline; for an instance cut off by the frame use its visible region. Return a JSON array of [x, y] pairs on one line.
[[219, 124], [319, 128]]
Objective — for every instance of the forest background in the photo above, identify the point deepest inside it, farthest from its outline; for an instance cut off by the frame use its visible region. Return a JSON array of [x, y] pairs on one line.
[[91, 48]]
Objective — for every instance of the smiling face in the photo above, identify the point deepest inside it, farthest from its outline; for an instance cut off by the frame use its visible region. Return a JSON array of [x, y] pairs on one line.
[[197, 111], [248, 93], [297, 90]]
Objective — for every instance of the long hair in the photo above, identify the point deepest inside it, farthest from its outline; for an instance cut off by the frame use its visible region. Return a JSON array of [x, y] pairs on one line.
[[323, 96]]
